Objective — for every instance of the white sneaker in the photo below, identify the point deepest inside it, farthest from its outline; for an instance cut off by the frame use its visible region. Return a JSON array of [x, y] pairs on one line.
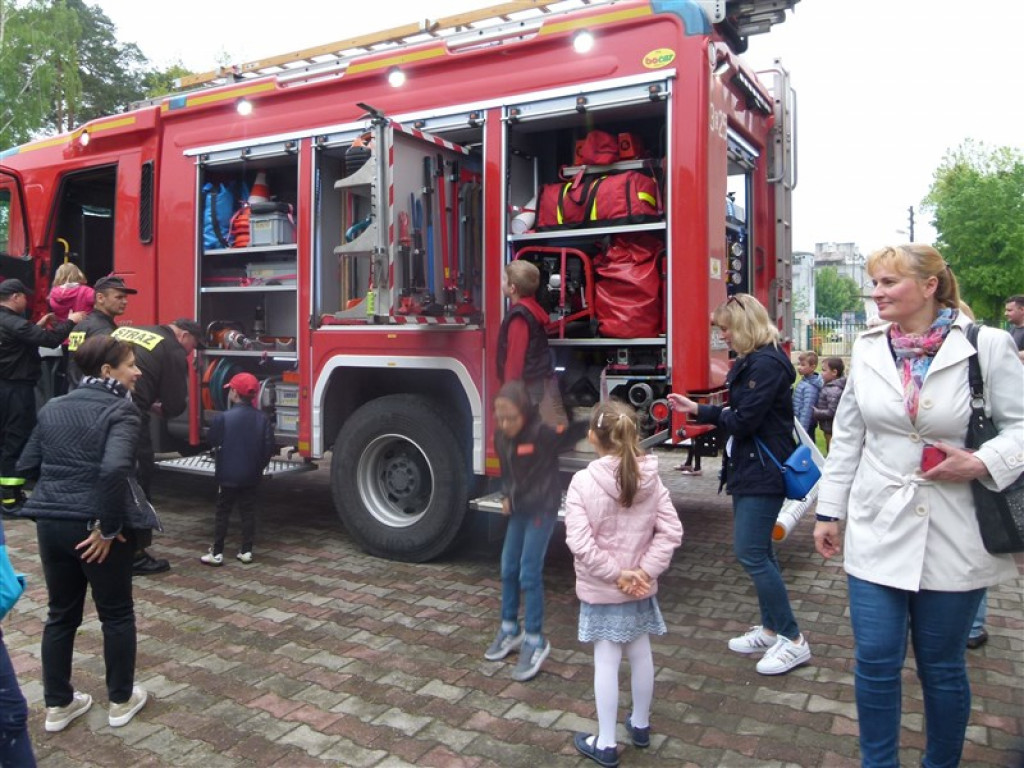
[[784, 655], [211, 559], [121, 714], [59, 718], [244, 557], [754, 640]]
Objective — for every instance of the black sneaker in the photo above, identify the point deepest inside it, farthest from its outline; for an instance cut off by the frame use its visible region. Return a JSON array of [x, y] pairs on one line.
[[146, 565]]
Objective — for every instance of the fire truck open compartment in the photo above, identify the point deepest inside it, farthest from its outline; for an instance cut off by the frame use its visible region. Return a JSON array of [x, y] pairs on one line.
[[248, 292], [542, 139]]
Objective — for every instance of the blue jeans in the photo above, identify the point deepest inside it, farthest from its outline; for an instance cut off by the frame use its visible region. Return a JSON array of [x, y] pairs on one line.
[[939, 623], [753, 520], [15, 744], [522, 568]]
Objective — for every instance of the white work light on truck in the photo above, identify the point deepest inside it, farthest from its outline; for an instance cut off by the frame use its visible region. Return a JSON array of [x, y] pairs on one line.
[[244, 107], [396, 77], [583, 42]]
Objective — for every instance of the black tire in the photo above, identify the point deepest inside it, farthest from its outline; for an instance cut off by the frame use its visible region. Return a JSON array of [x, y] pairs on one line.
[[399, 478]]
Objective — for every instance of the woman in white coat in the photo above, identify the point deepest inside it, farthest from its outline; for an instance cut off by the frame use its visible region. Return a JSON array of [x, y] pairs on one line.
[[914, 554]]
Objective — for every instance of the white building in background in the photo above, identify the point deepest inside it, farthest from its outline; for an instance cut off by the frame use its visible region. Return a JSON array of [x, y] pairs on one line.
[[803, 286], [847, 259]]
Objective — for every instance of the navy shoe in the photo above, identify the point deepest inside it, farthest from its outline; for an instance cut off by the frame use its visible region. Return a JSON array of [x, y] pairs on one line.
[[641, 736], [977, 641], [607, 757]]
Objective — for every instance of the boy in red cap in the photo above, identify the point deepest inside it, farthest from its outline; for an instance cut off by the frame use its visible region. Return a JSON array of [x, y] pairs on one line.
[[243, 442]]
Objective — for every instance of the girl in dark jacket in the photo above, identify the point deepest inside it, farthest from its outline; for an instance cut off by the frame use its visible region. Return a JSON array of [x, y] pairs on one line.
[[760, 406], [83, 448], [528, 451]]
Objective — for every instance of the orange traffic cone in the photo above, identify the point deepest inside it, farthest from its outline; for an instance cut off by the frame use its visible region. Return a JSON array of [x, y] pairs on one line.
[[260, 192]]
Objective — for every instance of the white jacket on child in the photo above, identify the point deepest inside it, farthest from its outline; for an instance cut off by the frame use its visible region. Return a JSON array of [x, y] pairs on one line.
[[607, 538]]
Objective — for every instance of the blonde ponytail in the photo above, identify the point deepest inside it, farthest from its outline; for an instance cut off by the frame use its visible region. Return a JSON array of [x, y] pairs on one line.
[[614, 428]]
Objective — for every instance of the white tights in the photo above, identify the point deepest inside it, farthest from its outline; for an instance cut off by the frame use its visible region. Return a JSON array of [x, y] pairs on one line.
[[607, 657]]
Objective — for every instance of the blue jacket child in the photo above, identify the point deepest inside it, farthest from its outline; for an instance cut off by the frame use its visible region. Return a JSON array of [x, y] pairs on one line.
[[805, 394], [243, 439]]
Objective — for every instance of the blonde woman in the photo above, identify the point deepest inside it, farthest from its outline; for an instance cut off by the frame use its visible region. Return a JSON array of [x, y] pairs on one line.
[[760, 407], [913, 552]]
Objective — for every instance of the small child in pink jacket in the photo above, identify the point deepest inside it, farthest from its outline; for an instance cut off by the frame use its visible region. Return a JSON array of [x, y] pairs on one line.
[[622, 529], [70, 292]]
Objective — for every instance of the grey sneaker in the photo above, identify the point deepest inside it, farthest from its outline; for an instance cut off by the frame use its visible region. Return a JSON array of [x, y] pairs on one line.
[[59, 718], [121, 714], [530, 658], [504, 643], [244, 557]]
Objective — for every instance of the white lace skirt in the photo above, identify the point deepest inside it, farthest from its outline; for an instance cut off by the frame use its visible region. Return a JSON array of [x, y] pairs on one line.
[[620, 622]]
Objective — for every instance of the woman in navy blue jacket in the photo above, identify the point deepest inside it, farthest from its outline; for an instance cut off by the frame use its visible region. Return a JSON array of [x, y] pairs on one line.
[[760, 406], [87, 508]]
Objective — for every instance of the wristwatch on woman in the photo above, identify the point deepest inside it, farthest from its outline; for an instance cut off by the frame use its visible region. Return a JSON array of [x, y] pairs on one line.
[[825, 518]]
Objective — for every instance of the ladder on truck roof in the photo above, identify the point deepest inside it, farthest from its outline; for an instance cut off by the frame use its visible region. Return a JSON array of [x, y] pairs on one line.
[[373, 42], [739, 18]]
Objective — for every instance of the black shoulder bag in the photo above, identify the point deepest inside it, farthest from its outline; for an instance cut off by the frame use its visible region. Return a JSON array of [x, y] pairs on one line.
[[1000, 513]]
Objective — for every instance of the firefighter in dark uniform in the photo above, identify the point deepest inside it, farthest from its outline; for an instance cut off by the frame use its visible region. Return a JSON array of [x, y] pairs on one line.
[[20, 368], [161, 353], [111, 301]]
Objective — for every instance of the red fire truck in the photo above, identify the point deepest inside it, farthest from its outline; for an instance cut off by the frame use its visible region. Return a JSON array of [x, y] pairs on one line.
[[338, 219]]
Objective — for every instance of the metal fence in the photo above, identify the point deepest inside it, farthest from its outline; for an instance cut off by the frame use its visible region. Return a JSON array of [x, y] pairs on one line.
[[826, 337]]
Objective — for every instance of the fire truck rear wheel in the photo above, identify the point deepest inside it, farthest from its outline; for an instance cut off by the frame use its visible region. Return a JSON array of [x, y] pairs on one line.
[[400, 479]]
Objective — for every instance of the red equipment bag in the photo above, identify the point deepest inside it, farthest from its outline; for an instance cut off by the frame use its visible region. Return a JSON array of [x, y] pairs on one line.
[[630, 197], [598, 148], [628, 289], [560, 206]]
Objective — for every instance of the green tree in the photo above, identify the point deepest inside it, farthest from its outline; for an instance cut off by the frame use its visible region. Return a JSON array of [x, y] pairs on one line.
[[61, 65], [110, 73], [37, 57], [977, 203], [835, 294], [160, 82]]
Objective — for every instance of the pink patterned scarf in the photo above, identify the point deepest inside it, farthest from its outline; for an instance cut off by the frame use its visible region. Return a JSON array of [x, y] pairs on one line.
[[914, 353]]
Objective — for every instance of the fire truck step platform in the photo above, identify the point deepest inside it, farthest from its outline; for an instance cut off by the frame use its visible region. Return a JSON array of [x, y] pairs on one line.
[[202, 464], [492, 503]]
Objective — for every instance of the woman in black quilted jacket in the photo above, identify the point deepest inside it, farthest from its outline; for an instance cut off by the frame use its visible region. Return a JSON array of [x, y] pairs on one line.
[[83, 449]]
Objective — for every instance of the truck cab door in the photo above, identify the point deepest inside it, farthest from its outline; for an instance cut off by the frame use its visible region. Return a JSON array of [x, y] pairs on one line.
[[14, 231]]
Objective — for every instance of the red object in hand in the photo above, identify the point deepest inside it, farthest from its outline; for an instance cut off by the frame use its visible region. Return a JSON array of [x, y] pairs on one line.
[[931, 457]]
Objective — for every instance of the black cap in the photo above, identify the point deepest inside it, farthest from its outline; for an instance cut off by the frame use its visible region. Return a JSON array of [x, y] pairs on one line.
[[13, 286], [112, 283], [191, 327]]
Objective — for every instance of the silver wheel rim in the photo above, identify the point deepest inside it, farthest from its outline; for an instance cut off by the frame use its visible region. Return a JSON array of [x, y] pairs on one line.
[[395, 480]]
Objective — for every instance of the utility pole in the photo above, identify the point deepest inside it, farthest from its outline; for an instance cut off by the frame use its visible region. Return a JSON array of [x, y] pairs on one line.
[[910, 210]]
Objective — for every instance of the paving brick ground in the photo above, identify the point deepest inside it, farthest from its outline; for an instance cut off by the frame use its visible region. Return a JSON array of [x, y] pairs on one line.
[[318, 654]]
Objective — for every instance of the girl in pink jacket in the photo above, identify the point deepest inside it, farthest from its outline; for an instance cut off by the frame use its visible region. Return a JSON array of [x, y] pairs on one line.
[[622, 529]]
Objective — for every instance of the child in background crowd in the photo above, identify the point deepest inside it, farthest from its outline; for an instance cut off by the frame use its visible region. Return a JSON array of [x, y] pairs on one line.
[[825, 409], [806, 392], [528, 451], [622, 528], [244, 440]]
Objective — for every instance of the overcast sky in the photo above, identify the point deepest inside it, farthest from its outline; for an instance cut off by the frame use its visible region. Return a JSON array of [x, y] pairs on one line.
[[884, 87]]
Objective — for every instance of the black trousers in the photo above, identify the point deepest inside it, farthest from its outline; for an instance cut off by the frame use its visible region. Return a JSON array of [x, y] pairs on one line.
[[67, 577], [17, 420], [227, 498]]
